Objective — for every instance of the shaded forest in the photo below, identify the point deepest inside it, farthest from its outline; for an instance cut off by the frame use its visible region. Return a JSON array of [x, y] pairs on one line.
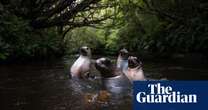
[[40, 29]]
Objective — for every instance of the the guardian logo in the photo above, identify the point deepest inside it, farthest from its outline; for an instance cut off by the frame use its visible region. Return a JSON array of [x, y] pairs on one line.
[[164, 94]]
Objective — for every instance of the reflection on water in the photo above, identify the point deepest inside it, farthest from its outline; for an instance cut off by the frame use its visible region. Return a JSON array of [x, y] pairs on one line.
[[46, 86]]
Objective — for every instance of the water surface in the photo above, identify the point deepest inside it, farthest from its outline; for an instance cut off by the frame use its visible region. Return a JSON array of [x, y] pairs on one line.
[[46, 85]]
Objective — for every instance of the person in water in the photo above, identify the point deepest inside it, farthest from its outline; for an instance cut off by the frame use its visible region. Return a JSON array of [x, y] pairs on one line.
[[122, 60], [135, 71], [112, 78], [81, 67]]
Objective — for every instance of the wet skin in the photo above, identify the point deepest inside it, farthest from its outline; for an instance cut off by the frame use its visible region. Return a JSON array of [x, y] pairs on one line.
[[135, 71], [81, 67], [112, 78], [122, 60]]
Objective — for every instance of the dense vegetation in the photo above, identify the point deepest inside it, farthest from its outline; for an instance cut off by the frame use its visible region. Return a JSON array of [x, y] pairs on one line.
[[166, 27], [36, 28], [45, 28]]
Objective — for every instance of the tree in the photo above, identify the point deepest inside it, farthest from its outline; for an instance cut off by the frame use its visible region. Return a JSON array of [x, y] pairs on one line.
[[62, 13], [35, 27], [166, 26]]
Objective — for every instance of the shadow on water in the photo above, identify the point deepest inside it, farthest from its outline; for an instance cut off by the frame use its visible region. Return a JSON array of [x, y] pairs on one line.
[[46, 86]]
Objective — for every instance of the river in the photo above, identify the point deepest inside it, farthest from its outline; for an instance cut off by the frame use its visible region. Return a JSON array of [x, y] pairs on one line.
[[46, 85]]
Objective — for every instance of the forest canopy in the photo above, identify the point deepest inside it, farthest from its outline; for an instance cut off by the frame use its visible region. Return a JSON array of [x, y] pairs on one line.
[[46, 28]]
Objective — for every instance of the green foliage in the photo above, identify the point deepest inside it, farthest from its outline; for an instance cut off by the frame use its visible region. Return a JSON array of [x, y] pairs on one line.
[[156, 26], [169, 26], [19, 40], [160, 27], [83, 36]]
